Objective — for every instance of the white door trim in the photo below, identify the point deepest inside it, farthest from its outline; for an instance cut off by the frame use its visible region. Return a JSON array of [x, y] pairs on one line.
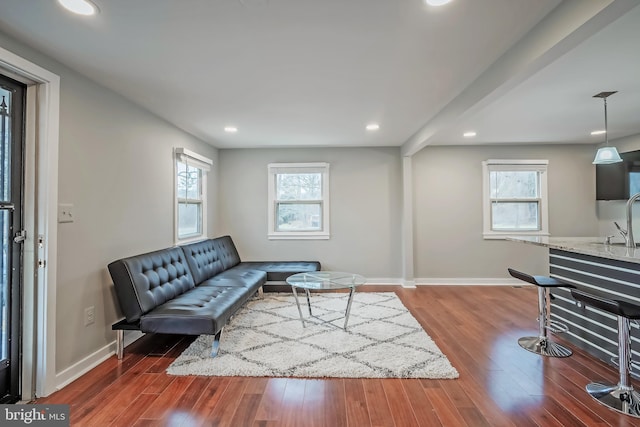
[[43, 194]]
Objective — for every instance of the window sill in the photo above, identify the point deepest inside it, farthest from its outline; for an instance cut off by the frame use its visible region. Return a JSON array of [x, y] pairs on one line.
[[193, 239], [497, 235], [299, 236]]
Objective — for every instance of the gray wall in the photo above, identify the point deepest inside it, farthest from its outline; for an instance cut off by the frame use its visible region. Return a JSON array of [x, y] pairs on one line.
[[116, 168], [365, 201], [448, 209]]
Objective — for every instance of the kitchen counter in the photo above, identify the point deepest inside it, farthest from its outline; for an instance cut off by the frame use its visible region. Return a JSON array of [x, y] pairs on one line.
[[586, 263], [593, 246]]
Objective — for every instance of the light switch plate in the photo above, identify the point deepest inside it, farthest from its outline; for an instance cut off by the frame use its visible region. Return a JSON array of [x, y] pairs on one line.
[[65, 212], [89, 315]]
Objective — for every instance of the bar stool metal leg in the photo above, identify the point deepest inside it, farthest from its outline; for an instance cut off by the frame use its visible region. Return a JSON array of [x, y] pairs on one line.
[[621, 397], [541, 344]]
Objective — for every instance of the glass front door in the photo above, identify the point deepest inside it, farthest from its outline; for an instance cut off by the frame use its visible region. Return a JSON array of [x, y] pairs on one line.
[[12, 95]]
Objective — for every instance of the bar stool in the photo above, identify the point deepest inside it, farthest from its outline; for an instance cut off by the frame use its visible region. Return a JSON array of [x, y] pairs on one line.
[[620, 397], [541, 344]]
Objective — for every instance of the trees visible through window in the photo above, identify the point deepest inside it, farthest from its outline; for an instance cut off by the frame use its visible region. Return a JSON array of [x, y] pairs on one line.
[[190, 188], [515, 197], [189, 193], [299, 200], [515, 200]]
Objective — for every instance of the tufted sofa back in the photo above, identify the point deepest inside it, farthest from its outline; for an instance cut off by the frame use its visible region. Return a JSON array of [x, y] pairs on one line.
[[203, 259], [227, 251], [143, 282]]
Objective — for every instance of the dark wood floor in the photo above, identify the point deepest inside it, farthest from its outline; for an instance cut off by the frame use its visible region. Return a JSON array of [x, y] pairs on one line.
[[500, 384]]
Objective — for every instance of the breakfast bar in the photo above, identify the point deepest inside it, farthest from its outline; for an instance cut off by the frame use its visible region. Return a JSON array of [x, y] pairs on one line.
[[593, 265]]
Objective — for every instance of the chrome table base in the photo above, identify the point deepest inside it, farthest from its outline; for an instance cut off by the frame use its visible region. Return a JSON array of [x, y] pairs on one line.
[[325, 281], [302, 319]]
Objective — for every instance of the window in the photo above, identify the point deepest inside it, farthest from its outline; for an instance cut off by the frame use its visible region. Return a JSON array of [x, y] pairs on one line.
[[515, 198], [191, 200], [298, 200]]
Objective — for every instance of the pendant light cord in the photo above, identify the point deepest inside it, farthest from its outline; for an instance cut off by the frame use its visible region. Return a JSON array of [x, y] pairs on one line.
[[606, 130]]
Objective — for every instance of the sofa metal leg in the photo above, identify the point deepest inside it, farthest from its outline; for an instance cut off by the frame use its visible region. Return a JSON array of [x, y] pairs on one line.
[[120, 343], [260, 293], [216, 344]]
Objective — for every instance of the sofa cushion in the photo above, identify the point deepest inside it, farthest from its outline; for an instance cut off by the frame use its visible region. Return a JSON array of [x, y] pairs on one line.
[[278, 271], [143, 282], [239, 277], [203, 310], [203, 259]]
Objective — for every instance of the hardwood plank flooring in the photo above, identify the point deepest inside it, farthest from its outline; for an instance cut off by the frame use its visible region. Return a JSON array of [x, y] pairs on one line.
[[477, 327]]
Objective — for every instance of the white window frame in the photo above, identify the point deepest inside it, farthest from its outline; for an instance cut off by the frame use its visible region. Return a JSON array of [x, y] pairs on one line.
[[276, 168], [182, 155], [539, 166]]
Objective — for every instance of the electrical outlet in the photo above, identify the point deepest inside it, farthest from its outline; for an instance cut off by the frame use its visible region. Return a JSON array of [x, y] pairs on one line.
[[65, 212], [89, 315]]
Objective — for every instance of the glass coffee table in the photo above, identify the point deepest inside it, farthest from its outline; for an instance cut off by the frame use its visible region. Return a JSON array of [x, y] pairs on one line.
[[324, 280]]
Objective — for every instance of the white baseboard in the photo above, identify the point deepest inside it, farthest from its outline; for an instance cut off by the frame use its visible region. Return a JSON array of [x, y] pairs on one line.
[[80, 368], [370, 281], [433, 281], [384, 281], [391, 282], [464, 281]]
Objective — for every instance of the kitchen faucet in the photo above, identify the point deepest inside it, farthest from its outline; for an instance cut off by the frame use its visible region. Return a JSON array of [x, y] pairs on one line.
[[622, 231], [628, 233]]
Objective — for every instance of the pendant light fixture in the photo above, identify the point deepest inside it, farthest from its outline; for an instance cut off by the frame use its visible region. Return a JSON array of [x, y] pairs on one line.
[[606, 154]]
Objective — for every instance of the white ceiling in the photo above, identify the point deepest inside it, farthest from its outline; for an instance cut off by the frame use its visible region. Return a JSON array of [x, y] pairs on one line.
[[314, 73]]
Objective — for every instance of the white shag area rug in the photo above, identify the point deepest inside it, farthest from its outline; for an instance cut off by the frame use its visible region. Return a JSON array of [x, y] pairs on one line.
[[266, 339]]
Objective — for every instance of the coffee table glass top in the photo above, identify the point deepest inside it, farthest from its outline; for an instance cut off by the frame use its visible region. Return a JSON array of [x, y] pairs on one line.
[[326, 280]]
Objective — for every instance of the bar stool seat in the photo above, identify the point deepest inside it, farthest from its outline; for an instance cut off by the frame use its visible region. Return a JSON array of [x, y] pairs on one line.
[[541, 344], [621, 397]]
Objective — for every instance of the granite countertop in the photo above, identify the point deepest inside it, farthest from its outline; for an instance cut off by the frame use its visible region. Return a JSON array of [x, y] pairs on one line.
[[593, 246]]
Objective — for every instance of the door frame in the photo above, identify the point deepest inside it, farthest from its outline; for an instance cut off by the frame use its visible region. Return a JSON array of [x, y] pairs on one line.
[[40, 219]]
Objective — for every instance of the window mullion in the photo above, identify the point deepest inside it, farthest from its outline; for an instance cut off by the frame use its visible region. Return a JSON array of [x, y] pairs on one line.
[[515, 200], [302, 202]]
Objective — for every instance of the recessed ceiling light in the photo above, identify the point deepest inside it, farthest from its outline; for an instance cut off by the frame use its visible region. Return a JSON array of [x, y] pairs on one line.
[[437, 2], [80, 7], [469, 134], [231, 129], [373, 126], [598, 132]]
